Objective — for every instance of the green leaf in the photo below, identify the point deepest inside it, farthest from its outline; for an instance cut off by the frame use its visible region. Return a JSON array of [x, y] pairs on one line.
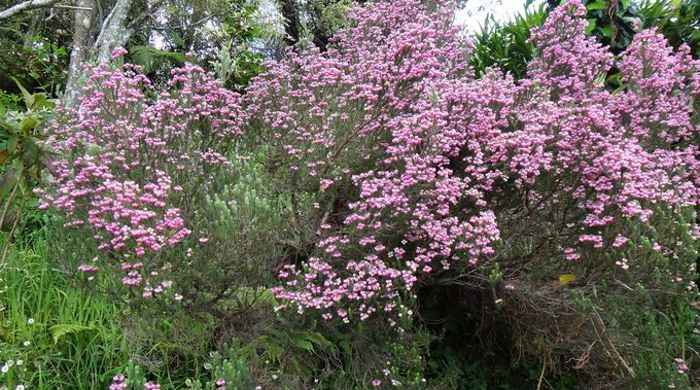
[[606, 31], [28, 123], [42, 103], [591, 26], [305, 345], [28, 97], [11, 144], [345, 346], [30, 153], [273, 350], [596, 5], [565, 279], [60, 330], [6, 127]]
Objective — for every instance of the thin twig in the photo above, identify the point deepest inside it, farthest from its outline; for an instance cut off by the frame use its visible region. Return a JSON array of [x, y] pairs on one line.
[[6, 248], [8, 202], [544, 366]]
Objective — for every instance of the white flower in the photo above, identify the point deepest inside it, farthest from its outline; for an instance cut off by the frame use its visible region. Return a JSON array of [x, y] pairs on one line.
[[19, 387], [30, 321], [26, 343], [20, 362], [5, 368]]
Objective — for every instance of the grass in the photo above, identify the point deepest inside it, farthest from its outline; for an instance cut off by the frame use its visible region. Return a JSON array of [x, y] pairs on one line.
[[63, 337]]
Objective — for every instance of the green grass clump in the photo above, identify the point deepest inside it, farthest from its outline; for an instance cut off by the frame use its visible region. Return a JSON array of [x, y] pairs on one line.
[[52, 334]]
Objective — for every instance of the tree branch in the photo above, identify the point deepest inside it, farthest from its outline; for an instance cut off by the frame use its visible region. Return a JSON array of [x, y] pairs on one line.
[[72, 7], [26, 6], [113, 32], [180, 27]]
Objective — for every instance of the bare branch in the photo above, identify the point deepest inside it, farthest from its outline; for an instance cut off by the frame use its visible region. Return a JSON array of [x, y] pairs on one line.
[[72, 7], [26, 6], [180, 27]]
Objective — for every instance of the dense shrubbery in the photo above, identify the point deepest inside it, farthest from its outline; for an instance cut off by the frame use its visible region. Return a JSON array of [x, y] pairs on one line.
[[373, 215], [432, 158]]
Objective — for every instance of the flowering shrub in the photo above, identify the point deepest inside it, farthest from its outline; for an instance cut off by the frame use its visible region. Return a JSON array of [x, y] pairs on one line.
[[130, 159], [382, 165], [417, 167], [398, 161]]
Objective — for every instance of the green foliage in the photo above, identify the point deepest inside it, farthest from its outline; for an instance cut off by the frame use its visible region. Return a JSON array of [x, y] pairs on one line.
[[506, 47], [238, 56], [612, 22], [325, 18], [10, 101], [236, 66], [153, 59], [24, 155], [227, 44], [22, 151], [678, 20], [34, 51]]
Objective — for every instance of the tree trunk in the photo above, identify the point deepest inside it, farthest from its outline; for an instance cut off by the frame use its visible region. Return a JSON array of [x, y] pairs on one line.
[[84, 19], [290, 12], [190, 34], [114, 32]]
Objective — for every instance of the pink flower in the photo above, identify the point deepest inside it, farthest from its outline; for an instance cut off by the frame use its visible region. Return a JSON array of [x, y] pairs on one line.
[[119, 52], [87, 268]]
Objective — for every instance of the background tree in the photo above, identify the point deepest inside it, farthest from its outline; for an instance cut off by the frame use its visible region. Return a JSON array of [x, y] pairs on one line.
[[161, 32]]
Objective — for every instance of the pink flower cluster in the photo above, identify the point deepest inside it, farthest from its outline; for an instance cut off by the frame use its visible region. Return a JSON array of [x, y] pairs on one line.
[[392, 110], [130, 154], [119, 382]]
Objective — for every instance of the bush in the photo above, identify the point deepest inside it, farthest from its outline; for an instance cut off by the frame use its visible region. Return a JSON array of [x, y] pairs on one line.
[[378, 178], [422, 175], [156, 210]]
